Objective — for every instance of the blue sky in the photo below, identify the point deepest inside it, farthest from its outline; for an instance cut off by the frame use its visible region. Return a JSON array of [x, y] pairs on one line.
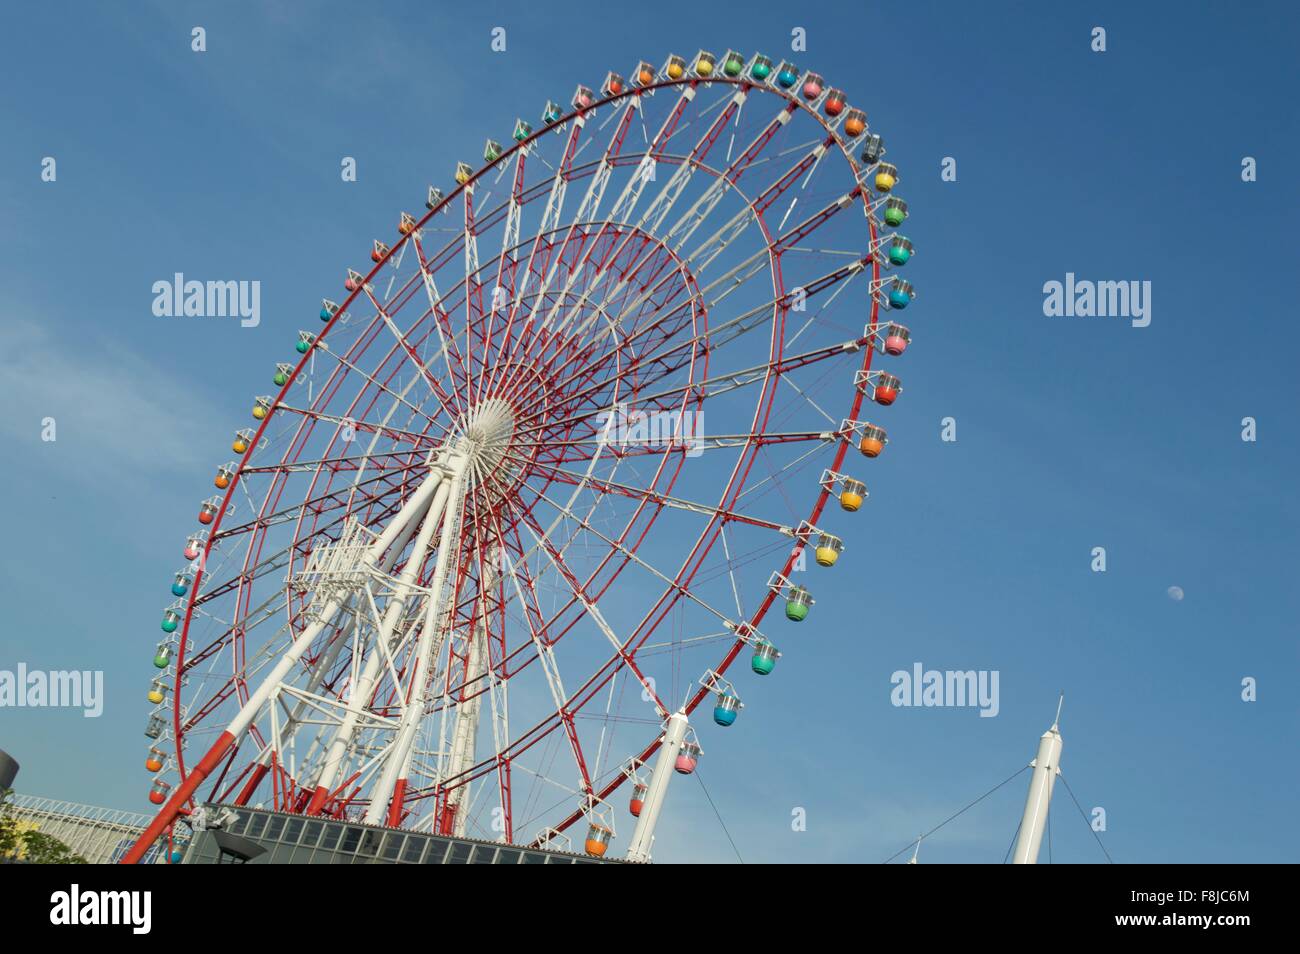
[[1073, 433]]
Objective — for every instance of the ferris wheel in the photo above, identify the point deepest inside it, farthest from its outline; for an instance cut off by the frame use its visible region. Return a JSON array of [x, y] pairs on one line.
[[519, 501]]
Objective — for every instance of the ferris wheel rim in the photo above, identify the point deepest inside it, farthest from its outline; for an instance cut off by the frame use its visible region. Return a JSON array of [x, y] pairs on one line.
[[818, 504]]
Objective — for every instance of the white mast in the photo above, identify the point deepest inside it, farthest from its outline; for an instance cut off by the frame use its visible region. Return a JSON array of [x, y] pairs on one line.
[[465, 733], [644, 835], [359, 694], [1047, 765], [395, 758]]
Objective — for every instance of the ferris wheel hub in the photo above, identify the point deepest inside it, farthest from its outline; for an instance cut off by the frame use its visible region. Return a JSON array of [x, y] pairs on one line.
[[486, 434], [485, 438]]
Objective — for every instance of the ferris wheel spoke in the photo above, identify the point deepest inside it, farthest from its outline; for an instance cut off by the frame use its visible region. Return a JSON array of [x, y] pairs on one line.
[[507, 264], [751, 212], [401, 460], [608, 724], [433, 421], [546, 778], [663, 203], [666, 199], [564, 714], [550, 665], [392, 481], [568, 351], [536, 623], [192, 659], [467, 665], [499, 702], [549, 223], [802, 230], [550, 267], [233, 687], [442, 395], [645, 257], [447, 345], [590, 607], [725, 180], [751, 489], [587, 210], [727, 382], [756, 316], [732, 174], [474, 311], [394, 433], [807, 399], [671, 280], [609, 670], [734, 328], [705, 442], [678, 503], [621, 285], [352, 414], [626, 203], [630, 554]]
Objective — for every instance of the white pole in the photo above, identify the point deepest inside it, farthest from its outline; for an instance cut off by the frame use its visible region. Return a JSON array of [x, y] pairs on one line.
[[465, 733], [1047, 764], [916, 851], [359, 695], [644, 835], [413, 712], [411, 510]]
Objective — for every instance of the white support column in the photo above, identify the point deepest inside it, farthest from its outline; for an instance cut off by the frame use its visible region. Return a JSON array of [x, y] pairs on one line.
[[323, 666], [359, 695], [410, 511], [435, 609], [326, 665], [644, 835], [1047, 765], [464, 737]]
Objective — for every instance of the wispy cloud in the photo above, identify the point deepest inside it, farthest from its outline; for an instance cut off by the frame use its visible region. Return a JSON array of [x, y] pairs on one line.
[[114, 412]]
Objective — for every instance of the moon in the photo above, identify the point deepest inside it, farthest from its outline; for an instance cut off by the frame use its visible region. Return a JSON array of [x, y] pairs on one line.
[[1175, 593]]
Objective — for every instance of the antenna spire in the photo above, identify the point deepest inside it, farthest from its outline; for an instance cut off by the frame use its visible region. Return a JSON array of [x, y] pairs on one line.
[[917, 850], [1060, 702]]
